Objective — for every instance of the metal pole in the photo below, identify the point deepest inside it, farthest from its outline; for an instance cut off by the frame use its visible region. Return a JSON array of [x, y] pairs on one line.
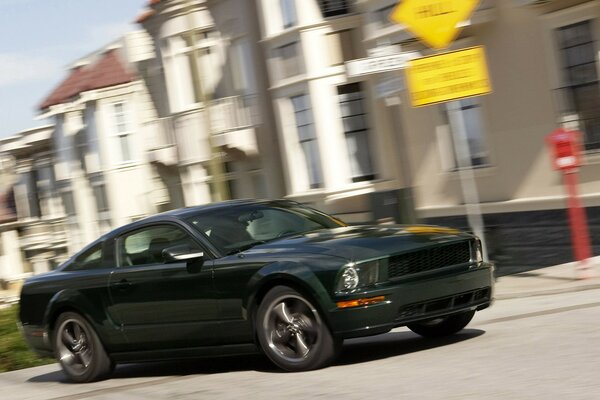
[[579, 230], [408, 210], [466, 174], [215, 164]]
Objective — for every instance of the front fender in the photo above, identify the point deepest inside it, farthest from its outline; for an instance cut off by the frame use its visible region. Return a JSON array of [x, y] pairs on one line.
[[298, 276]]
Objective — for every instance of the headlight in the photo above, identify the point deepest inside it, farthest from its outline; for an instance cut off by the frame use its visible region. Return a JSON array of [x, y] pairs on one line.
[[477, 251], [354, 276]]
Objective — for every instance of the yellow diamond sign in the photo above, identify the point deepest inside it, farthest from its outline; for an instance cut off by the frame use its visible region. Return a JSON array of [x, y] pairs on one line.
[[433, 21]]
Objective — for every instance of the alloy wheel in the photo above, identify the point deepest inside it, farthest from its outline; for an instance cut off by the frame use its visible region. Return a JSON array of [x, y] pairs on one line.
[[292, 327]]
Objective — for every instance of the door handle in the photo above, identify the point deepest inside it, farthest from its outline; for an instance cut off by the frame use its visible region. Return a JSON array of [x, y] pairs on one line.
[[123, 285]]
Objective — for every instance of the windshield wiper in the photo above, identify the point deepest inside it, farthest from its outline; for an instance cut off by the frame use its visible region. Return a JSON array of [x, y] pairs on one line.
[[245, 247]]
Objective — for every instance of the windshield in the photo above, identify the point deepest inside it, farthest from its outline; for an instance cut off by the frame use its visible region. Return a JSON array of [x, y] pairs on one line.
[[237, 228]]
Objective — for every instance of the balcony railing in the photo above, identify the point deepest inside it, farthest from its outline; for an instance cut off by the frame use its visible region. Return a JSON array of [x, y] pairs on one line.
[[182, 137]]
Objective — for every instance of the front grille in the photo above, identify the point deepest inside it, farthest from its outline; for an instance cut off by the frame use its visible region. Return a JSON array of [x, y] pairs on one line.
[[428, 259]]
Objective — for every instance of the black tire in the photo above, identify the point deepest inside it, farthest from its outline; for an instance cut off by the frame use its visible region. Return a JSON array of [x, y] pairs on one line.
[[443, 326], [79, 350], [292, 333]]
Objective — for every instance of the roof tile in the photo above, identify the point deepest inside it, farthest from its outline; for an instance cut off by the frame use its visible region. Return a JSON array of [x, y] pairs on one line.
[[105, 72]]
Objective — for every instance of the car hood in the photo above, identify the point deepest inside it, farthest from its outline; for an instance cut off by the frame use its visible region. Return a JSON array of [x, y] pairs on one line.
[[356, 243]]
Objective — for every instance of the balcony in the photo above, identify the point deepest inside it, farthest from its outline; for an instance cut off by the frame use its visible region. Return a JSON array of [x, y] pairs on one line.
[[182, 138], [43, 234]]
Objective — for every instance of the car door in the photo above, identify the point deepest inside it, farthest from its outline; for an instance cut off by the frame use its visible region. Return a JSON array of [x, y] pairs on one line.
[[162, 304]]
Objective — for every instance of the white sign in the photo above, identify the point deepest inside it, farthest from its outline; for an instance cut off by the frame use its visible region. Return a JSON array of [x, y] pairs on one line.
[[374, 65], [387, 50]]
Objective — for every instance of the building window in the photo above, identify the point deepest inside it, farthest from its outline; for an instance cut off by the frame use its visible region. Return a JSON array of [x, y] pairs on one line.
[[102, 207], [332, 8], [192, 61], [356, 132], [382, 15], [308, 140], [580, 96], [286, 60], [122, 132], [341, 47], [288, 13], [242, 66], [472, 118]]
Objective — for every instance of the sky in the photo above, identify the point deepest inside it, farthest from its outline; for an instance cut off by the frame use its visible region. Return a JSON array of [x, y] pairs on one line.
[[39, 39]]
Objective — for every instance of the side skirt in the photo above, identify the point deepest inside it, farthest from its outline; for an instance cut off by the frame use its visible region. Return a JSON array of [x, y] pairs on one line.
[[194, 352]]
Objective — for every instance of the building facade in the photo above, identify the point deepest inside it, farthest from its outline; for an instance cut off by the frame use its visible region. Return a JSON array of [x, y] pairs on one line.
[[346, 141], [33, 225], [214, 127], [222, 99]]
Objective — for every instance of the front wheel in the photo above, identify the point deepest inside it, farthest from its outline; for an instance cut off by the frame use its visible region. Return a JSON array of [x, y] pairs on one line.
[[292, 333], [443, 326], [79, 350]]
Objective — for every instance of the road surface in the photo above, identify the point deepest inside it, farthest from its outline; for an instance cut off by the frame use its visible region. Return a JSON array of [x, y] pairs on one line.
[[545, 347]]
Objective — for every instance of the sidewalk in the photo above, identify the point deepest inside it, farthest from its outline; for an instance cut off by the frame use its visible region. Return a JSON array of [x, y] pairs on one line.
[[549, 280], [544, 281]]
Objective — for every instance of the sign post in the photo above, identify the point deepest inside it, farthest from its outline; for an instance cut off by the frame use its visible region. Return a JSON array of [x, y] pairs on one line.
[[565, 148], [448, 77]]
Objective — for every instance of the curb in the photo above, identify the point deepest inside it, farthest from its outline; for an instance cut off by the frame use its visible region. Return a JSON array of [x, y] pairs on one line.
[[547, 292]]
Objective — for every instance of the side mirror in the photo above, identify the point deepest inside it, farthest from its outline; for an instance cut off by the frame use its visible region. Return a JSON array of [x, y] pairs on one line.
[[181, 253]]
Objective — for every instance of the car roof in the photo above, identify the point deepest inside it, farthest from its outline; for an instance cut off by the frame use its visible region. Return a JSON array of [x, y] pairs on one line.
[[182, 213]]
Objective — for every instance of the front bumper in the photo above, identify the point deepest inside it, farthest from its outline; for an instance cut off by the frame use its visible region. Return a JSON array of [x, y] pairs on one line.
[[443, 293]]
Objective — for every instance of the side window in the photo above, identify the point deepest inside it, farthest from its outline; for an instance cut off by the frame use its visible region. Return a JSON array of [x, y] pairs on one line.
[[145, 246], [91, 259]]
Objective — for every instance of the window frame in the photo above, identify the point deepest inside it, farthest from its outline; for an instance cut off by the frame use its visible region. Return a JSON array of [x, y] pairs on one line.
[[206, 40], [313, 139], [280, 63], [289, 13], [365, 131], [118, 136], [451, 151]]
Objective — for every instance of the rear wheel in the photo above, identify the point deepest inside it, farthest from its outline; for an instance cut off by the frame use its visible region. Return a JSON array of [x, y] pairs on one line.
[[443, 326], [292, 333], [79, 350]]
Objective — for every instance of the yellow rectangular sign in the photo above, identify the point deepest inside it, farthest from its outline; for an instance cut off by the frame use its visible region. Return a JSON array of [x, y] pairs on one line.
[[448, 76]]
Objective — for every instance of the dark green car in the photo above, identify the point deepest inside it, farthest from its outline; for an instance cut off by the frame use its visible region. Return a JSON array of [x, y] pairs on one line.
[[240, 276]]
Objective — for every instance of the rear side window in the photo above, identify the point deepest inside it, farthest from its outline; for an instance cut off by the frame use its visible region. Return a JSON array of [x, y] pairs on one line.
[[90, 259]]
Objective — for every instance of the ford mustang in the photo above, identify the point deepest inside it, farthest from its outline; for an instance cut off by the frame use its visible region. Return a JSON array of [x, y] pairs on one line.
[[244, 276]]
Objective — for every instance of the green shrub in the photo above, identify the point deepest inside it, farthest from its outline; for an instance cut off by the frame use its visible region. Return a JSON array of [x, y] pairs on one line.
[[14, 353]]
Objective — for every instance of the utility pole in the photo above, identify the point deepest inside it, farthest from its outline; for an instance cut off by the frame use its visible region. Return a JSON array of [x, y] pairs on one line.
[[216, 168]]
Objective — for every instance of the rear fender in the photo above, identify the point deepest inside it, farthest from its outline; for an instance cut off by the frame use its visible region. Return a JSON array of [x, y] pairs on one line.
[[71, 300]]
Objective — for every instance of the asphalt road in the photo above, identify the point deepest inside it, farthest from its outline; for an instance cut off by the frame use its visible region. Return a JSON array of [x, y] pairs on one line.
[[545, 347]]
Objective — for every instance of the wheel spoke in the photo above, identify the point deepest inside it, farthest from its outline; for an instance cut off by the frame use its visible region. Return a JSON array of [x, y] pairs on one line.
[[308, 326], [77, 331], [301, 346], [86, 357], [282, 312], [67, 358], [280, 337], [67, 338]]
